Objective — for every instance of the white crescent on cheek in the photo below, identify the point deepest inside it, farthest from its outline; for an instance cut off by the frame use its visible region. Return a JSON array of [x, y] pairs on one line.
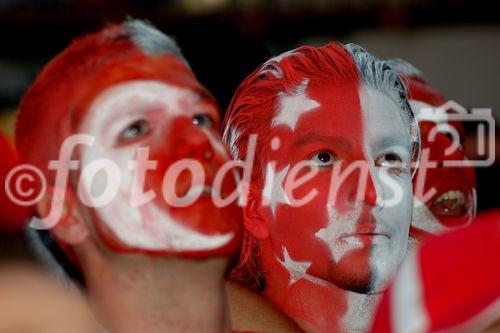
[[148, 226]]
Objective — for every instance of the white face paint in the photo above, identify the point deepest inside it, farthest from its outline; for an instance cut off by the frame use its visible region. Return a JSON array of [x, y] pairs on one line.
[[387, 144], [153, 105], [297, 269], [354, 243], [273, 192], [340, 246], [423, 219]]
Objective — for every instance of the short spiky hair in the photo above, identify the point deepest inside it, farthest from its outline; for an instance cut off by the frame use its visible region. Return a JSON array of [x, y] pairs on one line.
[[254, 103]]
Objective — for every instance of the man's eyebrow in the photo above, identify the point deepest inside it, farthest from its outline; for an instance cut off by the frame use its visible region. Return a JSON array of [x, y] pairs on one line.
[[338, 141], [204, 95], [391, 141]]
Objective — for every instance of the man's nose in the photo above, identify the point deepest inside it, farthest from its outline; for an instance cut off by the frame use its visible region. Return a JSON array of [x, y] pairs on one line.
[[370, 195], [360, 185], [187, 140]]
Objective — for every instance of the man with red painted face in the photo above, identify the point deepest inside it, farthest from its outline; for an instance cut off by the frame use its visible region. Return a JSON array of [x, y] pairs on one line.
[[445, 196], [330, 198], [118, 112]]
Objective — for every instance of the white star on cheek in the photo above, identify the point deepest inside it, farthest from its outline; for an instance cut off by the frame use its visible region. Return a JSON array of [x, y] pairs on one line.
[[273, 190], [296, 269], [339, 224], [292, 106]]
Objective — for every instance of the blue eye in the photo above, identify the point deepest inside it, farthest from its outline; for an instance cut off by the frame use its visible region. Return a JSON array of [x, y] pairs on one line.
[[203, 120], [323, 158], [135, 130]]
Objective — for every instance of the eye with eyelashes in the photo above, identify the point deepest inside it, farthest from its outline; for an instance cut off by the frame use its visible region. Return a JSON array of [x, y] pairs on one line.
[[391, 161], [203, 120], [134, 131], [323, 159]]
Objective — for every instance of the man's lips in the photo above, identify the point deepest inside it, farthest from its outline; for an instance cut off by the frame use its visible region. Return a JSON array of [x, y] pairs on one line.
[[366, 233]]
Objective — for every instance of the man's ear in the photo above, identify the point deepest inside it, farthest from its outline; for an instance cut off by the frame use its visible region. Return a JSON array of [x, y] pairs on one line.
[[71, 228], [252, 214]]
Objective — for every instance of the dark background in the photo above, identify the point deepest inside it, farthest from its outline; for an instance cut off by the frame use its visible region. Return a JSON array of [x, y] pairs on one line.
[[455, 43]]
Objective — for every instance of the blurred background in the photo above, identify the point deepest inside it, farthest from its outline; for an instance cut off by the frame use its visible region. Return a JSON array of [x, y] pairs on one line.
[[455, 43]]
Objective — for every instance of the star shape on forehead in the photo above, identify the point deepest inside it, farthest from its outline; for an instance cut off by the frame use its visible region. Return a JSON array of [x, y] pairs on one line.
[[293, 105], [273, 190], [296, 269]]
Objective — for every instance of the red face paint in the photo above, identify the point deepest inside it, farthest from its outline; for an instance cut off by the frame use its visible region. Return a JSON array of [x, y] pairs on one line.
[[128, 86], [453, 203], [352, 244], [307, 105], [320, 138], [174, 125]]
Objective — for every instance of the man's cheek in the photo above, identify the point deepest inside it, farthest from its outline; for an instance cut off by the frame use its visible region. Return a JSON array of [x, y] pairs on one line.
[[400, 214], [309, 187], [301, 242], [298, 225]]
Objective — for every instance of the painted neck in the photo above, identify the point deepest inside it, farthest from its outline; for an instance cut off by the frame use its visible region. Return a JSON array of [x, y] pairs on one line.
[[314, 304], [137, 293]]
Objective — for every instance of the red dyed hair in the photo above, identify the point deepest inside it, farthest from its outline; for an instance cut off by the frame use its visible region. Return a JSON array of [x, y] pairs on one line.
[[253, 104], [252, 109]]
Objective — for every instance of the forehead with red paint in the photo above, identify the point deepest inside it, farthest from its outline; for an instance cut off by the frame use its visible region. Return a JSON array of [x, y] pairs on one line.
[[323, 114], [166, 68]]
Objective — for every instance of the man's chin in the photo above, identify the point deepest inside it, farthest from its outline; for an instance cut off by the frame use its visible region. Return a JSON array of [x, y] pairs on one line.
[[359, 284], [357, 276], [351, 280]]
